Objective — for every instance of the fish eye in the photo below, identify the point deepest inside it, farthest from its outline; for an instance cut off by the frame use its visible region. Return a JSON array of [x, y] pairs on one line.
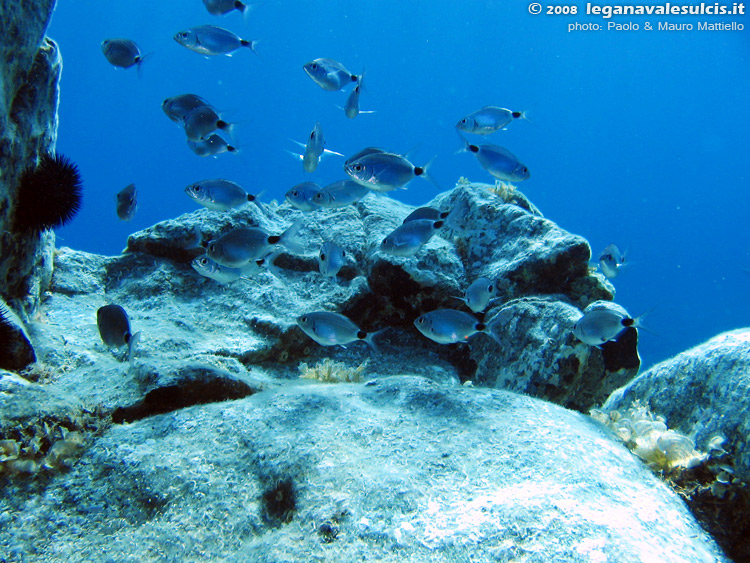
[[463, 121], [303, 319], [358, 167], [295, 193], [184, 34], [323, 256], [314, 66], [489, 288], [203, 261], [420, 320], [212, 247]]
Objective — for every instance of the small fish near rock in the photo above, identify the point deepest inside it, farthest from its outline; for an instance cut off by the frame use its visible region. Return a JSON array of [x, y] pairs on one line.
[[333, 329], [127, 203], [220, 195], [114, 329]]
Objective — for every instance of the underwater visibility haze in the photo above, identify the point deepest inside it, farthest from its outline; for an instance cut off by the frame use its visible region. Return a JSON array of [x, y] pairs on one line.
[[637, 138]]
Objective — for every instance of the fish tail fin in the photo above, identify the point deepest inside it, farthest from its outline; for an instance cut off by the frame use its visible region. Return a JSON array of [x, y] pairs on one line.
[[269, 263], [370, 339], [288, 237], [423, 172], [132, 343], [250, 44], [525, 116], [466, 143]]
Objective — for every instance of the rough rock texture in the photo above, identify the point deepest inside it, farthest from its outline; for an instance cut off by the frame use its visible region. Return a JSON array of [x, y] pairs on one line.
[[703, 392], [31, 68], [399, 469]]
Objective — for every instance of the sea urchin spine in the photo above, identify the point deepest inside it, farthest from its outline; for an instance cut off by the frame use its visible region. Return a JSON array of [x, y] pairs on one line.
[[49, 195]]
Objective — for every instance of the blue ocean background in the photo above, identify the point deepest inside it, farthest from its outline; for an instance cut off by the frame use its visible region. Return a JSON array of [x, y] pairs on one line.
[[637, 138]]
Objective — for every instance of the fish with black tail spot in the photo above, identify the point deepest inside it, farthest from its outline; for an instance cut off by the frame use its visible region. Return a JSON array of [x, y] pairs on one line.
[[334, 329], [210, 40], [329, 74], [450, 326]]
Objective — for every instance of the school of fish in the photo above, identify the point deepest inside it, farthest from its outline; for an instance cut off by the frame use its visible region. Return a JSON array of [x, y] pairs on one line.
[[246, 250]]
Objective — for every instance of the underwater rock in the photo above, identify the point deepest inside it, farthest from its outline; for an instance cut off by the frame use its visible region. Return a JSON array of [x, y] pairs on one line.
[[540, 356], [186, 386], [703, 393], [398, 469], [28, 118], [506, 240], [42, 431], [188, 317]]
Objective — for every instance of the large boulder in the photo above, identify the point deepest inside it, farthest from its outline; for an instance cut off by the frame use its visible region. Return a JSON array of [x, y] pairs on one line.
[[396, 469]]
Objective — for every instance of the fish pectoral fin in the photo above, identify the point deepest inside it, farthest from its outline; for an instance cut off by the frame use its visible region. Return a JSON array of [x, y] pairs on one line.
[[326, 151]]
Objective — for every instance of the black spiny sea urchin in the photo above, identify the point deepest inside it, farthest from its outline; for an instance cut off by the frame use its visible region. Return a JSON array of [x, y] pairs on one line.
[[49, 195]]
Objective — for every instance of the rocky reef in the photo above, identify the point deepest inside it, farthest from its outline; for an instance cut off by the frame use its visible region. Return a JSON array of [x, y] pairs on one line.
[[234, 436], [213, 433], [28, 122]]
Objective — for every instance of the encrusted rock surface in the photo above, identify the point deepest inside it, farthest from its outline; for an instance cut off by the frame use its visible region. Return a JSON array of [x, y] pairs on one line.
[[704, 393], [397, 469], [31, 66]]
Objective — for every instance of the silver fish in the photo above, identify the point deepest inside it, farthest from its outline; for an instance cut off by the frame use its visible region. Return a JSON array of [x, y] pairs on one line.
[[122, 53], [408, 238], [449, 326], [219, 195], [383, 171], [314, 148], [488, 120], [302, 195], [597, 326], [329, 74], [221, 7], [479, 294], [240, 246], [340, 194], [209, 268], [331, 259], [499, 162], [212, 146], [211, 40], [364, 152], [611, 260], [202, 121], [127, 202], [351, 107], [331, 329], [177, 107], [426, 213], [114, 329]]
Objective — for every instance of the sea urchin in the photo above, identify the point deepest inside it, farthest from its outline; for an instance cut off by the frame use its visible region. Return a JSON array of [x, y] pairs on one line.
[[49, 195]]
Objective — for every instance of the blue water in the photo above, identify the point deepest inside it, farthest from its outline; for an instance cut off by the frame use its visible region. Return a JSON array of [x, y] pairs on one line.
[[638, 138]]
